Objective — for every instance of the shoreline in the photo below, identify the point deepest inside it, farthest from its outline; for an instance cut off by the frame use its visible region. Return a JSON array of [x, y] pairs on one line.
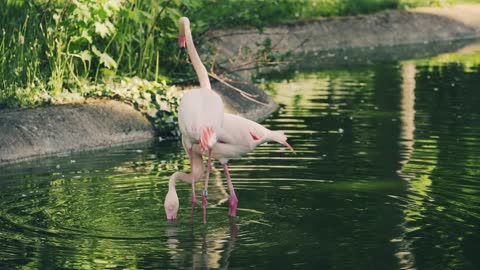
[[240, 48]]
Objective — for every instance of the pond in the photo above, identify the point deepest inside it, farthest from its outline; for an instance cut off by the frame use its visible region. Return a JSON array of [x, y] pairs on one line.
[[386, 176]]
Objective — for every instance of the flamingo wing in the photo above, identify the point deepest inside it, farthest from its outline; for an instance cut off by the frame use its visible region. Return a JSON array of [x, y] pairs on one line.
[[245, 131], [199, 108]]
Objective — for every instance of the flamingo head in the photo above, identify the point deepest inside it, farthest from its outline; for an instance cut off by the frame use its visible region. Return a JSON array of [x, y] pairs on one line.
[[171, 204], [286, 144], [279, 137]]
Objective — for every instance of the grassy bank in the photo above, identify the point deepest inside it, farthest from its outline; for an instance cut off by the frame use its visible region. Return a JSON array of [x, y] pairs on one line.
[[55, 51]]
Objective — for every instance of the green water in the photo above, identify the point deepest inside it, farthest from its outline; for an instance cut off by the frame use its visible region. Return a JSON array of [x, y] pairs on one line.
[[387, 176]]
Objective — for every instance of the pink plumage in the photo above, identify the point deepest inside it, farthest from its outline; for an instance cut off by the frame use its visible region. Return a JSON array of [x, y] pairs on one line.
[[238, 137], [200, 113], [205, 128]]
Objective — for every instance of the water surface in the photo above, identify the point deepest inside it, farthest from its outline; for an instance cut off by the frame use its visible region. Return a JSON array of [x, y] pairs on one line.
[[387, 176]]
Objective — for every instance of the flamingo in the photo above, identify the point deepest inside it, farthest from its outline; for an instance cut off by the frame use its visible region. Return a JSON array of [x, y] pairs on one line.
[[200, 113], [240, 136]]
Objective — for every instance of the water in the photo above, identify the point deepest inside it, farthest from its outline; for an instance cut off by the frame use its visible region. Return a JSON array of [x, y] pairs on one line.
[[387, 176]]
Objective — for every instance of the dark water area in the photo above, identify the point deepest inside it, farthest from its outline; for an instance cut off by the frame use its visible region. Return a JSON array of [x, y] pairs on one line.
[[386, 176]]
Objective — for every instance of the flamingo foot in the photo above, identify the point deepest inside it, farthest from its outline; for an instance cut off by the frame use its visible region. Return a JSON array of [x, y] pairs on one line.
[[172, 217], [232, 206], [204, 206]]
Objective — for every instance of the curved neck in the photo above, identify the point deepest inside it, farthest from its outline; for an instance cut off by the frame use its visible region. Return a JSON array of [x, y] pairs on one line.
[[179, 176], [196, 61]]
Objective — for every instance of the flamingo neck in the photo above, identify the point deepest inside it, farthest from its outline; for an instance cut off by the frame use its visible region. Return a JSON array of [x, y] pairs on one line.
[[178, 176], [195, 58], [172, 181]]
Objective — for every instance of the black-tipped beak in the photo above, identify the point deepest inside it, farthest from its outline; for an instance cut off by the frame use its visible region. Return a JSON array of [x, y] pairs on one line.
[[286, 144], [181, 44], [183, 51]]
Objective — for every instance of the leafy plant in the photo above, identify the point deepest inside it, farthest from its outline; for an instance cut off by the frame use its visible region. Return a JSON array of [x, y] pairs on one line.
[[156, 100], [65, 50]]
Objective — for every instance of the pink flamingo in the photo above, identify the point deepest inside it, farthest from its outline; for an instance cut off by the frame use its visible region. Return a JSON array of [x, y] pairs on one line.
[[200, 114], [240, 136]]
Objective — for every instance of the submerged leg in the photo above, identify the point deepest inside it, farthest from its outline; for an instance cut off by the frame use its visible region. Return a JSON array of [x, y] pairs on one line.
[[233, 201], [205, 190]]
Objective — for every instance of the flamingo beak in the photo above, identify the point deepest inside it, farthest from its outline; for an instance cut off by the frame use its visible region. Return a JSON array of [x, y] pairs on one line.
[[286, 144], [181, 44]]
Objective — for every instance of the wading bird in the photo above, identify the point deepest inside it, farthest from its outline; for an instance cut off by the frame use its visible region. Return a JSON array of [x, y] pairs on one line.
[[200, 113], [240, 136]]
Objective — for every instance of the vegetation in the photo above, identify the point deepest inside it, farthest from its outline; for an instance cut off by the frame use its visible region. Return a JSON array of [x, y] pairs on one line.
[[57, 51], [60, 50]]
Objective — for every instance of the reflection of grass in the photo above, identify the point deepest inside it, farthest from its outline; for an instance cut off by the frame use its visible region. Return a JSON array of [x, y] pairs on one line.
[[365, 185], [468, 57]]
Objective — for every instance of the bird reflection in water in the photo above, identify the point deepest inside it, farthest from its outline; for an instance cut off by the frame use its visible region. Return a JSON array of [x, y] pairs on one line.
[[208, 249]]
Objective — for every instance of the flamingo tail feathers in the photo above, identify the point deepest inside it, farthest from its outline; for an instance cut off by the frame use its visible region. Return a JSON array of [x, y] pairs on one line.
[[208, 138]]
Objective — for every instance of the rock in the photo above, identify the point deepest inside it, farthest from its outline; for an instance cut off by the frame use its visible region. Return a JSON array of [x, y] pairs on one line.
[[256, 107], [47, 130]]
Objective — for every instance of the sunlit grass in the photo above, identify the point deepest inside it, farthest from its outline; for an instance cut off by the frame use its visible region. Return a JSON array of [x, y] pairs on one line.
[[468, 57]]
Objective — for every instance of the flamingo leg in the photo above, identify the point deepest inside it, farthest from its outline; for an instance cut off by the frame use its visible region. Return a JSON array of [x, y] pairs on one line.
[[233, 201], [194, 198], [205, 190]]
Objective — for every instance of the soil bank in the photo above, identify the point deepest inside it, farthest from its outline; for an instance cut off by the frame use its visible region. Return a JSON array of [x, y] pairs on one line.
[[239, 51]]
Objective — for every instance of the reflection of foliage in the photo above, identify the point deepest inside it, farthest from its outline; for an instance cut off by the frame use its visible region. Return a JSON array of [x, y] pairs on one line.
[[469, 60], [111, 217], [440, 170], [101, 212]]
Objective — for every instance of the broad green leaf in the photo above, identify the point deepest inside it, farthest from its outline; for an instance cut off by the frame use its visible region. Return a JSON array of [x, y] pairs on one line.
[[101, 29], [85, 55], [87, 36], [105, 59]]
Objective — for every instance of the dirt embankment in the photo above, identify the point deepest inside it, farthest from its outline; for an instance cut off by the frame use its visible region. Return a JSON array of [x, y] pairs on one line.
[[35, 132], [238, 51]]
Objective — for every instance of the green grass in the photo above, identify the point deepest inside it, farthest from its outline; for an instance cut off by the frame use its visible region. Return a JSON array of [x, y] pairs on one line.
[[228, 13]]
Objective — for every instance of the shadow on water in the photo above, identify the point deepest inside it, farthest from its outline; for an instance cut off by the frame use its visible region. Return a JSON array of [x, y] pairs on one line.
[[386, 177]]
